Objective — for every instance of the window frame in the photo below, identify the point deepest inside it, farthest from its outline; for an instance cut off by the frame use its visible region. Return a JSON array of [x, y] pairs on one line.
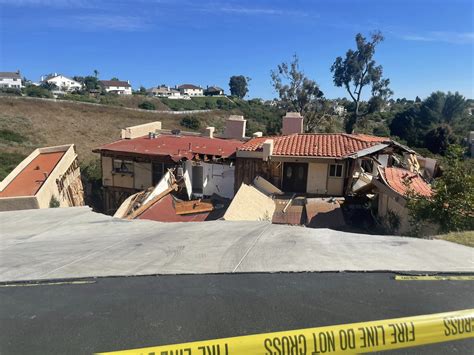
[[119, 162], [336, 166]]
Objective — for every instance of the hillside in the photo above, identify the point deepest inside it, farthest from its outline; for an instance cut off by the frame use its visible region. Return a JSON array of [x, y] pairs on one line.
[[26, 124]]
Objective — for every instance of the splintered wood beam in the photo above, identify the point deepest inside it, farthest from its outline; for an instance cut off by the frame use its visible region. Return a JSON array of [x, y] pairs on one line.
[[150, 203], [194, 206]]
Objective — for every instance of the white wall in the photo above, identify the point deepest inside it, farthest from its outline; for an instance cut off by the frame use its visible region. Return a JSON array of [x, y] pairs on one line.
[[62, 81], [11, 83], [217, 178]]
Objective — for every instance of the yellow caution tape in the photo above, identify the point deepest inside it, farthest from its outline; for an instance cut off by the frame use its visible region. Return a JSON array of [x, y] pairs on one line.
[[348, 338], [434, 278]]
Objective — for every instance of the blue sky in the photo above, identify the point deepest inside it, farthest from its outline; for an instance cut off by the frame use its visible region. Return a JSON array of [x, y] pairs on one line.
[[428, 43]]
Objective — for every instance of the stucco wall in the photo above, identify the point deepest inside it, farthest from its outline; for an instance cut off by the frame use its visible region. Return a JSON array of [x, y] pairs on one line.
[[109, 178], [336, 185], [18, 203], [388, 203], [50, 187], [142, 175], [317, 178]]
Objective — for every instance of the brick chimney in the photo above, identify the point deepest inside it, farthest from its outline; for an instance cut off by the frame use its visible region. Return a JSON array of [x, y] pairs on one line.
[[292, 123], [235, 127]]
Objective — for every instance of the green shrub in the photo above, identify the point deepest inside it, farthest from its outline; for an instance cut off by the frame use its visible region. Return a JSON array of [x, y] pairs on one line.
[[147, 105], [10, 136], [190, 122], [10, 91], [78, 97], [8, 162], [37, 91], [54, 202]]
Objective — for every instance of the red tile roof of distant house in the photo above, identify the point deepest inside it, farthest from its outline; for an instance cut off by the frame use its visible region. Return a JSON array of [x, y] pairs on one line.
[[32, 177], [336, 145], [189, 86], [397, 179], [177, 147], [164, 211], [118, 83]]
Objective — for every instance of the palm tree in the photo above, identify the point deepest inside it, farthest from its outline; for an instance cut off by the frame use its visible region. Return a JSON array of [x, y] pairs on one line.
[[96, 73]]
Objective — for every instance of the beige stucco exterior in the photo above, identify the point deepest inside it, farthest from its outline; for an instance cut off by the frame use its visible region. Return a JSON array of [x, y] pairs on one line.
[[63, 182], [317, 178]]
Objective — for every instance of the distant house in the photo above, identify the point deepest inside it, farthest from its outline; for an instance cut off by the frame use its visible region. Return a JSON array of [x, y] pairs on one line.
[[213, 91], [118, 87], [48, 177], [164, 91], [63, 83], [339, 109], [10, 80], [190, 90]]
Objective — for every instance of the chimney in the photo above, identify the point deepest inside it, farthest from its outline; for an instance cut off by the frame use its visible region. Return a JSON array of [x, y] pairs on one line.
[[235, 127], [267, 148], [257, 134], [292, 123], [209, 132]]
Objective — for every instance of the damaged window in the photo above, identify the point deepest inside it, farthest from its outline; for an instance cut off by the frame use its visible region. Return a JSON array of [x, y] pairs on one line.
[[123, 166], [335, 170]]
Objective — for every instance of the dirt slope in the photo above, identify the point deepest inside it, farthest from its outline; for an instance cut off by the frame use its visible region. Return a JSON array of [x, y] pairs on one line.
[[45, 123]]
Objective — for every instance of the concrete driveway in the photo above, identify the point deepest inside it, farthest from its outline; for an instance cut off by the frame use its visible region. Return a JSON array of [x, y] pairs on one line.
[[76, 242]]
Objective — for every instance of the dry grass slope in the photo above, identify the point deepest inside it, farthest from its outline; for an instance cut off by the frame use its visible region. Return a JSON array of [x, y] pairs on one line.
[[46, 123]]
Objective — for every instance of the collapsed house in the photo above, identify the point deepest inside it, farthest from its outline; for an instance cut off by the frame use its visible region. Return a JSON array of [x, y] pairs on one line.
[[171, 200], [320, 164], [296, 178], [48, 177], [147, 152], [393, 187]]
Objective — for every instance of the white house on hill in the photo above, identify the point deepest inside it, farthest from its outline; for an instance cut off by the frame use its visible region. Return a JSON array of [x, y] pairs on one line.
[[10, 80], [190, 90], [119, 87], [63, 83]]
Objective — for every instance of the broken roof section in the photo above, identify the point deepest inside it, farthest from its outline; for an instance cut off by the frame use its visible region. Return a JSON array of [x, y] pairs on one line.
[[336, 145], [402, 181], [47, 173], [163, 203], [32, 174], [176, 146]]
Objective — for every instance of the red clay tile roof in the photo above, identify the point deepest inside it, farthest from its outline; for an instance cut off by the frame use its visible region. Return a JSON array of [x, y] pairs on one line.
[[188, 86], [316, 145], [176, 147], [118, 83], [395, 177], [32, 177]]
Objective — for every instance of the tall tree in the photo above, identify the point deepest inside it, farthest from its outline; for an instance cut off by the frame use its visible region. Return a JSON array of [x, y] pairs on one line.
[[238, 85], [299, 93], [357, 70], [96, 73]]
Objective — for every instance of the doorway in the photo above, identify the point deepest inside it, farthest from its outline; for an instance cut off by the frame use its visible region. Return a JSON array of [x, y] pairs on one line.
[[295, 177]]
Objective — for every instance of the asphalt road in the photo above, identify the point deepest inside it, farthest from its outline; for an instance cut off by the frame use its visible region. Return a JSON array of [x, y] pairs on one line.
[[130, 312]]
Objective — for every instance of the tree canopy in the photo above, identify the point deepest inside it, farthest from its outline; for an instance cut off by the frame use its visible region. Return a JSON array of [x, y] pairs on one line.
[[299, 93], [357, 70], [238, 85], [451, 207]]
